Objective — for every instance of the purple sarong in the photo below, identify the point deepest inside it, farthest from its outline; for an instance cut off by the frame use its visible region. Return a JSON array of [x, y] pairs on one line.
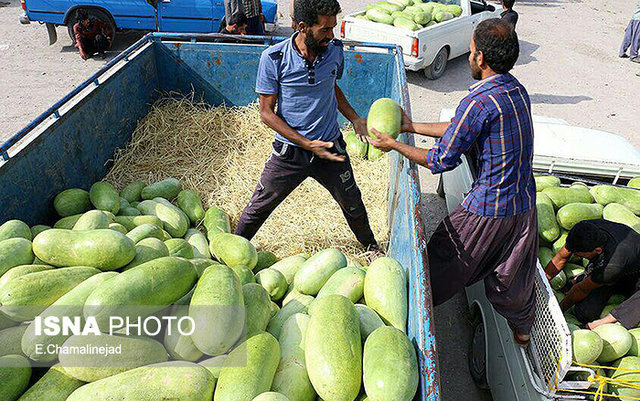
[[467, 248], [631, 39]]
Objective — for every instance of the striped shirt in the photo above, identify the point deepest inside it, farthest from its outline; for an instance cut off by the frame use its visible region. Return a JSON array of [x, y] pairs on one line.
[[493, 125], [252, 8]]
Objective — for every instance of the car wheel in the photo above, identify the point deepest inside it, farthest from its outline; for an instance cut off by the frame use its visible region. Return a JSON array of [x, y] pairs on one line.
[[439, 65], [97, 14], [478, 356]]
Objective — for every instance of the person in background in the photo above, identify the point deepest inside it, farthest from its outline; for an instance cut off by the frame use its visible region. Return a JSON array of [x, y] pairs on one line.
[[508, 14], [300, 75], [631, 39], [250, 10], [237, 25], [255, 19], [294, 23], [92, 35], [613, 252], [493, 234]]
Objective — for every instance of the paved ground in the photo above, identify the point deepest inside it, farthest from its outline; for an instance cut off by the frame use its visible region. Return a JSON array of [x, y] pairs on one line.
[[568, 63]]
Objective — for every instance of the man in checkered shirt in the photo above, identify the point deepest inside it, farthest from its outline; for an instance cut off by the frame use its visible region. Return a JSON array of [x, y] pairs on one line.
[[252, 10], [493, 235]]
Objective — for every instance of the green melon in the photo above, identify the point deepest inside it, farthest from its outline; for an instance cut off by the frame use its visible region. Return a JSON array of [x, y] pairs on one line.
[[385, 115], [168, 189], [587, 346], [234, 250], [616, 342], [104, 197], [385, 291], [316, 270], [627, 370]]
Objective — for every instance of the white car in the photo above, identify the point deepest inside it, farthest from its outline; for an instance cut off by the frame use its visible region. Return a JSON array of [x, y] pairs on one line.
[[429, 48], [496, 362]]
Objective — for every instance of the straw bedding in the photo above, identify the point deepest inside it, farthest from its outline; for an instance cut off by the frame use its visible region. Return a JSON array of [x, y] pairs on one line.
[[220, 151]]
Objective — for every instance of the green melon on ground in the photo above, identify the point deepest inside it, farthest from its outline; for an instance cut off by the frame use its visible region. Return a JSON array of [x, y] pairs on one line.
[[10, 339], [627, 370], [15, 372], [348, 281], [265, 259], [258, 308], [369, 320], [72, 201], [234, 250], [273, 281], [335, 366], [587, 346], [176, 380], [390, 366], [385, 291], [146, 250], [104, 249], [168, 189], [616, 342], [317, 270], [104, 197], [288, 266], [15, 252], [132, 191], [249, 369], [136, 352], [271, 396], [15, 229], [55, 385]]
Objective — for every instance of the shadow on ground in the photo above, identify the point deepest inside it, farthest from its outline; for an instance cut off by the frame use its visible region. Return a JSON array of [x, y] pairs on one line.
[[558, 99]]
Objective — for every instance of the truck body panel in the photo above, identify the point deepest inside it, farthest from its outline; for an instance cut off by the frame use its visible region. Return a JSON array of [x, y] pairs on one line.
[[71, 144]]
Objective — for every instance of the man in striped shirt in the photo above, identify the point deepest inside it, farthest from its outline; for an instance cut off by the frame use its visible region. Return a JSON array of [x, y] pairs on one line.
[[493, 234]]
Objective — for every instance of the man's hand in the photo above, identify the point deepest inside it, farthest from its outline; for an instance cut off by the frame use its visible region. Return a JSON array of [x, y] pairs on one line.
[[383, 141], [360, 128], [605, 320], [262, 19], [407, 124], [319, 148]]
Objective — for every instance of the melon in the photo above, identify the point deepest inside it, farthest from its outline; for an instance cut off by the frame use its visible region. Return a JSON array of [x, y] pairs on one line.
[[616, 342], [627, 370], [587, 346]]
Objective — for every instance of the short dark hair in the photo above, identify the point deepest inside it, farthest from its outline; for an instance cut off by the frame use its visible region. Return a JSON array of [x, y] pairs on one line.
[[81, 15], [238, 19], [508, 3], [498, 42], [585, 237], [307, 11]]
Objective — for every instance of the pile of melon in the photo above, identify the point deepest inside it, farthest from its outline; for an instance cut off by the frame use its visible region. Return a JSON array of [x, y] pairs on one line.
[[559, 209], [298, 328], [410, 14]]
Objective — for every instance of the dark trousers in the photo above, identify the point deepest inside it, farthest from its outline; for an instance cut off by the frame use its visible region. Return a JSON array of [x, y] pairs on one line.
[[287, 167], [627, 313], [255, 26], [99, 44]]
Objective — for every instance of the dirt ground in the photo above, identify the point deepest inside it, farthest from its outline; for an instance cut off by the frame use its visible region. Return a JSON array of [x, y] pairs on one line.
[[568, 63]]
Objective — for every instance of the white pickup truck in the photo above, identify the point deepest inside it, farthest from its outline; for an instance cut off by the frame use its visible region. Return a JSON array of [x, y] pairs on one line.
[[428, 48]]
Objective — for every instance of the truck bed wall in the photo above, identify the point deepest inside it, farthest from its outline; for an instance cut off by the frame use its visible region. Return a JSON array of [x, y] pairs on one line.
[[76, 150]]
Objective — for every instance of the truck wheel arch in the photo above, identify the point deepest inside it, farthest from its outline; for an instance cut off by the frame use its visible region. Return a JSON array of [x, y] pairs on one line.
[[71, 13]]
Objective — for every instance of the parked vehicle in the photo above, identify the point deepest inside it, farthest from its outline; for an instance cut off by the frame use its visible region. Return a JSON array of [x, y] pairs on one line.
[[429, 48], [193, 16], [71, 144], [496, 362]]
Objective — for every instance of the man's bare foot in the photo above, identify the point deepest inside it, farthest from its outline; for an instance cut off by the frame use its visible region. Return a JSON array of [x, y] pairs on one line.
[[374, 252]]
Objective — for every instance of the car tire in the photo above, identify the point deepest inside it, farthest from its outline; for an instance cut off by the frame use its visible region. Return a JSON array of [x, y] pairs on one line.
[[478, 356], [439, 65], [92, 12]]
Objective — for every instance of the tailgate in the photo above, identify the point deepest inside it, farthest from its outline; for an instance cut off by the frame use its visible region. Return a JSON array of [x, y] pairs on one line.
[[366, 31]]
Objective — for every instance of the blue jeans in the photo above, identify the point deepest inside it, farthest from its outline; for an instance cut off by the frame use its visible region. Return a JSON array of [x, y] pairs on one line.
[[631, 39]]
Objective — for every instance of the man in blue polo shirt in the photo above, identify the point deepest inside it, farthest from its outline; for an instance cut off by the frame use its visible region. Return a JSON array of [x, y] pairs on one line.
[[300, 75], [493, 234]]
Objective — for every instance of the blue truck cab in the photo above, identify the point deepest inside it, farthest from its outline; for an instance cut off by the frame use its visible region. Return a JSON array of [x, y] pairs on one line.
[[183, 16]]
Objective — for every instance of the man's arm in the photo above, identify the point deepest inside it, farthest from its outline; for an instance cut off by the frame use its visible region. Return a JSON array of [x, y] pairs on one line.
[[359, 124], [557, 263], [271, 119], [446, 154], [434, 130], [578, 292]]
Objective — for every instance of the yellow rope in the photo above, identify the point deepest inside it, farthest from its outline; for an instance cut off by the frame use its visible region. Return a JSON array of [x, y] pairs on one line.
[[602, 382]]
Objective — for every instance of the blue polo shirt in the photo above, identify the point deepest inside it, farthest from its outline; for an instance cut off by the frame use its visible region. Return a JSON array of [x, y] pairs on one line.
[[306, 91]]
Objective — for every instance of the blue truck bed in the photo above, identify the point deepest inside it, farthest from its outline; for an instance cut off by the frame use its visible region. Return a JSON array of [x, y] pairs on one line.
[[71, 144]]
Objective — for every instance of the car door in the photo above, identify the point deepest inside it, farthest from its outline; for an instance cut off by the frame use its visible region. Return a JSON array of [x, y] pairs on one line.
[[199, 16]]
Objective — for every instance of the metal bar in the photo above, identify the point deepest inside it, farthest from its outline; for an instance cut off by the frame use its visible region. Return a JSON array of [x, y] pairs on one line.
[[54, 109]]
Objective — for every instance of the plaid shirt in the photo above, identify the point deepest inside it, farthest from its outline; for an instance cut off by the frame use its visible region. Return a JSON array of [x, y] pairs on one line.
[[494, 123], [252, 8]]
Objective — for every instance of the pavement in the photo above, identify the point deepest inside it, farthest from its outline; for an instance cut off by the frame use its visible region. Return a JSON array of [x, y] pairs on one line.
[[569, 64]]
